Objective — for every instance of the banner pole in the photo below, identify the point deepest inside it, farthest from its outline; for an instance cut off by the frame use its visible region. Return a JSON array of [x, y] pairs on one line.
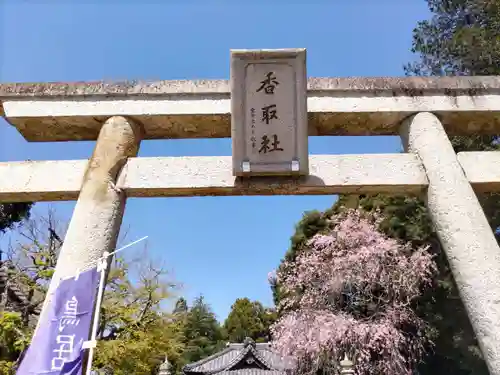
[[101, 267]]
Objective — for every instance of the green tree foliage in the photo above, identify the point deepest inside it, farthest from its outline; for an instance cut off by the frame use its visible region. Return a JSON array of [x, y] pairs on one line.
[[461, 38], [135, 333], [312, 222], [455, 346], [14, 337], [12, 213], [406, 219], [203, 334], [29, 264], [248, 319], [351, 289]]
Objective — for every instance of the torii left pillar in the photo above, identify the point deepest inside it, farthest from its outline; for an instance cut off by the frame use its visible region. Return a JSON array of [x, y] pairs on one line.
[[98, 213]]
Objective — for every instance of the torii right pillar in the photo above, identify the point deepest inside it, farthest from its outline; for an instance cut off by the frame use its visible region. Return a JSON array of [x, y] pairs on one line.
[[462, 228]]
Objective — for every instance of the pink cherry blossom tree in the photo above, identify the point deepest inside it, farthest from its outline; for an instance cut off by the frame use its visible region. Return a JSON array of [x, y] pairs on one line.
[[351, 292]]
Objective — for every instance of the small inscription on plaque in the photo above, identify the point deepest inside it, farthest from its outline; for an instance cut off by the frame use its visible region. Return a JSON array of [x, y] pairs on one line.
[[269, 112]]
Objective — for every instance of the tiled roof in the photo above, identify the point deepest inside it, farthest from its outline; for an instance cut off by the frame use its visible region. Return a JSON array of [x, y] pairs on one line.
[[252, 371], [13, 287], [4, 278], [248, 354]]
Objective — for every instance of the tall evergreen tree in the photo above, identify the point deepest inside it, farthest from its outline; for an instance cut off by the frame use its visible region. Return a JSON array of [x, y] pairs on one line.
[[12, 213], [248, 319], [461, 38], [202, 332]]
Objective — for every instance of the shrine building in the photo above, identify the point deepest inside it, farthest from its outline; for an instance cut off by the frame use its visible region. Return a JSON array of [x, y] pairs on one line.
[[249, 358]]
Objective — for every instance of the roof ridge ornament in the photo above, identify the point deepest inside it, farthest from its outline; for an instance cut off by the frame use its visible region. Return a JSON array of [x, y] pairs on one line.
[[249, 342]]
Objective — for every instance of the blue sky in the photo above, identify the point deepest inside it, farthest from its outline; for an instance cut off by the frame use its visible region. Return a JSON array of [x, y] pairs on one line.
[[222, 247]]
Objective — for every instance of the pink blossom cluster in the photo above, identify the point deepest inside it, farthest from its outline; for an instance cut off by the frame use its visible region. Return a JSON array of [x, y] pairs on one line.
[[350, 291]]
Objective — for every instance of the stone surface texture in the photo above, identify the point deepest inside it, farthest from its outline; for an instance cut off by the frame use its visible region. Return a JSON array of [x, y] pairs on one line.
[[208, 176], [211, 175], [482, 169], [412, 86], [463, 230], [97, 216], [201, 109]]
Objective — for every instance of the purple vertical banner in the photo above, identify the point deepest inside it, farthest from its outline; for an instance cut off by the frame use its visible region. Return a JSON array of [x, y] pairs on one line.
[[56, 348]]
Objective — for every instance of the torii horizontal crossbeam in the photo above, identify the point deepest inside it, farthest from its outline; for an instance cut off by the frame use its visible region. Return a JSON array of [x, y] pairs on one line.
[[201, 109], [211, 176]]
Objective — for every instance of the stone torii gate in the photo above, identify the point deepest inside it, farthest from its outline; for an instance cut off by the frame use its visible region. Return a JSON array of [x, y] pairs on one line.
[[424, 111]]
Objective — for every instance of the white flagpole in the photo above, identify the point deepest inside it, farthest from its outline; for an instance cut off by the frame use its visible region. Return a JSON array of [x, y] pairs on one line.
[[102, 266], [130, 244]]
